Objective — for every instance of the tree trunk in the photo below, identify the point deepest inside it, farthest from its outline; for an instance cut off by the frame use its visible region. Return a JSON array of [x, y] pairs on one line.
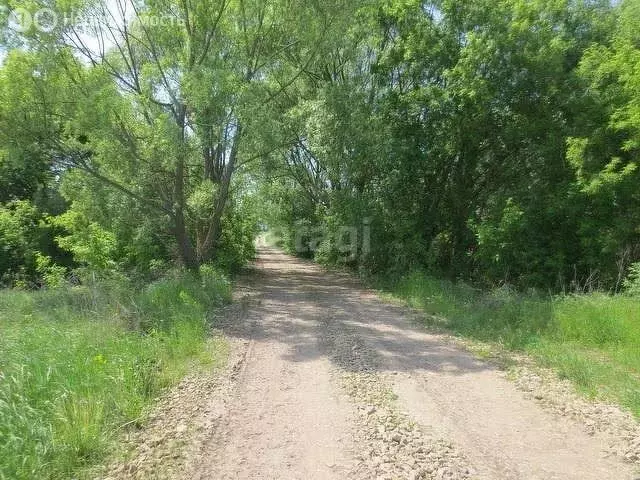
[[185, 248], [213, 233], [186, 251]]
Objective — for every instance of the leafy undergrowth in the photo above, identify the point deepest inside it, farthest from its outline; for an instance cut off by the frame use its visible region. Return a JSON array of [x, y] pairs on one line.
[[80, 364], [592, 340]]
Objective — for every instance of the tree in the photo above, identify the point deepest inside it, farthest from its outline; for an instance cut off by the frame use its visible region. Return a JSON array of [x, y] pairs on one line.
[[170, 99]]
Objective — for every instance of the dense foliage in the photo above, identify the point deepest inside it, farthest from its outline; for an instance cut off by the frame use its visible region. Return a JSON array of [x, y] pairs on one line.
[[489, 141], [494, 141]]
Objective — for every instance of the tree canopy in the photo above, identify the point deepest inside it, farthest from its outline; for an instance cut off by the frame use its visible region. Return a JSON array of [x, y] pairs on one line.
[[493, 141]]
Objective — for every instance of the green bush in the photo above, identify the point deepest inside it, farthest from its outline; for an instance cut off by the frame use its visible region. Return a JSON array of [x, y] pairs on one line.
[[239, 230], [28, 255], [632, 282], [20, 232]]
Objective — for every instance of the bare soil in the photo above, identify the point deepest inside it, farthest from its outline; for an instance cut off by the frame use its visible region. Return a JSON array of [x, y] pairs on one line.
[[326, 381]]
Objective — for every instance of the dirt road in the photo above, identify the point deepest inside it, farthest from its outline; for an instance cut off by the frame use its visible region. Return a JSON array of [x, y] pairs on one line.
[[332, 383]]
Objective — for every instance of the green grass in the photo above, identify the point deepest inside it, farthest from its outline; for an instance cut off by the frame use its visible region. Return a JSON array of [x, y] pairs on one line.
[[592, 340], [80, 364]]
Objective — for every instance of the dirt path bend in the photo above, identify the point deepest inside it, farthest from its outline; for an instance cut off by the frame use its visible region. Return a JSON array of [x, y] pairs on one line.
[[334, 383]]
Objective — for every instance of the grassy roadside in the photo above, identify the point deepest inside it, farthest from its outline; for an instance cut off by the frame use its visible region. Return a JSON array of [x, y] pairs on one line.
[[80, 364], [592, 340]]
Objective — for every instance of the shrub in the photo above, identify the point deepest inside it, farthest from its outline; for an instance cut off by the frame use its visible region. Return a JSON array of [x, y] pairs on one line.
[[632, 282]]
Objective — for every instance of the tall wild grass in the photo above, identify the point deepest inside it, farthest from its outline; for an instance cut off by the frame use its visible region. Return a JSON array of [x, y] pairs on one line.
[[80, 364], [591, 339]]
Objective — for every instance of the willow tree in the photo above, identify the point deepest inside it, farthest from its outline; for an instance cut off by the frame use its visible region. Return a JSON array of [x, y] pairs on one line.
[[166, 100]]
